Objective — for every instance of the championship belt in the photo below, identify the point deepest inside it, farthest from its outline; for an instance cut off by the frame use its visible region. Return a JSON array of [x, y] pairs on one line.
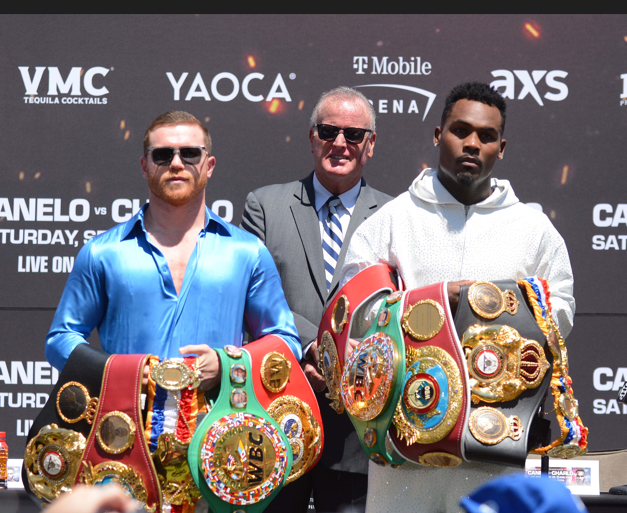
[[284, 392], [337, 320], [116, 450], [239, 456], [371, 383], [509, 370], [431, 415], [58, 436]]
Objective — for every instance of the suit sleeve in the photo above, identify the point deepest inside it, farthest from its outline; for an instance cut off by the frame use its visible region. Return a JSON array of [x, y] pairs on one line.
[[253, 218], [80, 310], [254, 221]]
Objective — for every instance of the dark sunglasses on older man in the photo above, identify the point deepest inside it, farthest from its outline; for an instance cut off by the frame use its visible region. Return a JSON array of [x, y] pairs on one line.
[[351, 134], [189, 154]]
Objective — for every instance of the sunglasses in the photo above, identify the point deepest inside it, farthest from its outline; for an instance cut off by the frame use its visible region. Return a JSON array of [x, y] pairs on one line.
[[188, 154], [351, 134]]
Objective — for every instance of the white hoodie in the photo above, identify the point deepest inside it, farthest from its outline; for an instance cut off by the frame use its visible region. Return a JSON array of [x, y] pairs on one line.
[[431, 237]]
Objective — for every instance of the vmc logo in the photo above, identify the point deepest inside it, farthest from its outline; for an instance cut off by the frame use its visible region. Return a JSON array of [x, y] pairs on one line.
[[57, 85], [396, 98], [546, 81]]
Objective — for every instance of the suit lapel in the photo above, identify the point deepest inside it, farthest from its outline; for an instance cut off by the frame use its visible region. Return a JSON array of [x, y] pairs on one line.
[[366, 205], [306, 219]]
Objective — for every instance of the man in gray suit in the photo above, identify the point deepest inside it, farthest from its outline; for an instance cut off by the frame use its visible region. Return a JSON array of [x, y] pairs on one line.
[[306, 225]]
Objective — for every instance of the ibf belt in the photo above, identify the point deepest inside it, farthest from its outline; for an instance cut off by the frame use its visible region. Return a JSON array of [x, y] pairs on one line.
[[336, 322], [284, 392], [239, 456], [508, 369], [371, 385], [430, 417], [116, 450]]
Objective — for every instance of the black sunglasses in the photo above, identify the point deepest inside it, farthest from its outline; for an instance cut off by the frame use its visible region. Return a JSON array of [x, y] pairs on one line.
[[351, 134], [188, 154]]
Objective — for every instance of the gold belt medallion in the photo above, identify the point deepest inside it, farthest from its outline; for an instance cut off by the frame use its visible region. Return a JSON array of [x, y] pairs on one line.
[[302, 430], [174, 375], [175, 478], [501, 363], [115, 432], [339, 316], [432, 396], [115, 472], [275, 372], [488, 301], [490, 426], [423, 320], [368, 376], [329, 364], [75, 404], [52, 461], [439, 459]]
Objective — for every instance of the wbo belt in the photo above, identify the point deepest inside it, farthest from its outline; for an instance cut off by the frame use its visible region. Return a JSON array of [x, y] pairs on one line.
[[433, 408], [263, 431], [364, 383]]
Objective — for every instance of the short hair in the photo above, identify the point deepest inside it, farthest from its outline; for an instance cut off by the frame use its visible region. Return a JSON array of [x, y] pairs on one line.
[[173, 118], [477, 92], [343, 93]]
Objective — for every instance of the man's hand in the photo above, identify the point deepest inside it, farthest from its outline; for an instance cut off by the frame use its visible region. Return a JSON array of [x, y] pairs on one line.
[[309, 364], [352, 344], [94, 499], [208, 364], [454, 288]]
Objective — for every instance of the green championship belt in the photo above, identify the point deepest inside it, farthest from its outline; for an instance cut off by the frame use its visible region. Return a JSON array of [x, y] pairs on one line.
[[239, 456], [371, 383]]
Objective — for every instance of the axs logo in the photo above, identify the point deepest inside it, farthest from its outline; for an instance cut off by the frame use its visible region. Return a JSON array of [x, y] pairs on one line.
[[529, 81]]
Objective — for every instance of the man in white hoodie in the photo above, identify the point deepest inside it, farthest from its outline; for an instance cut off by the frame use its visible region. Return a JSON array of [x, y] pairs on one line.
[[457, 223]]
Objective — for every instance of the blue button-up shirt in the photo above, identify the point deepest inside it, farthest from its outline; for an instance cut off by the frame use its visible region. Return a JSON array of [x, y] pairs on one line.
[[122, 285]]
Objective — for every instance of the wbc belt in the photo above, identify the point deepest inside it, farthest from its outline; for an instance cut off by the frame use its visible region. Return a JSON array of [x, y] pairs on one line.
[[335, 326], [430, 417], [239, 456], [507, 364]]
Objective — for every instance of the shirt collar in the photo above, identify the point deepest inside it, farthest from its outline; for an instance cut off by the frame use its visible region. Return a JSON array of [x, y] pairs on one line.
[[138, 220], [349, 198]]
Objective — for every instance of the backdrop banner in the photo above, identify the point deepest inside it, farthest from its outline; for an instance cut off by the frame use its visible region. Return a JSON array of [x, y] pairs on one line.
[[78, 92]]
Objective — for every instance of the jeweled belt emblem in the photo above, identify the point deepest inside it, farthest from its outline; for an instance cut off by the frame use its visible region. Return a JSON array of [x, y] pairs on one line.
[[368, 377]]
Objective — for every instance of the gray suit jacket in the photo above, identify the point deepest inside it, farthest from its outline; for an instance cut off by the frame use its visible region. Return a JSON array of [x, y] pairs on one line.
[[284, 217]]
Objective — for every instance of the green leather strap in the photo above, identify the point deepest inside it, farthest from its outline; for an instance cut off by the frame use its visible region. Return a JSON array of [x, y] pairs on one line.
[[239, 456]]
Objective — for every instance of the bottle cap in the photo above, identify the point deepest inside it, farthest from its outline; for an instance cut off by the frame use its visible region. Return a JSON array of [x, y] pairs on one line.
[[3, 434]]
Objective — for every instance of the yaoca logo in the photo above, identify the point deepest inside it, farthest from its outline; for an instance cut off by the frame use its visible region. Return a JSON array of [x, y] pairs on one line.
[[226, 86], [70, 85], [558, 90], [389, 98]]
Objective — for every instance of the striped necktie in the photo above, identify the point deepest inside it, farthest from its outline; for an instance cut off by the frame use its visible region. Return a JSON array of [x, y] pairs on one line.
[[331, 239]]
